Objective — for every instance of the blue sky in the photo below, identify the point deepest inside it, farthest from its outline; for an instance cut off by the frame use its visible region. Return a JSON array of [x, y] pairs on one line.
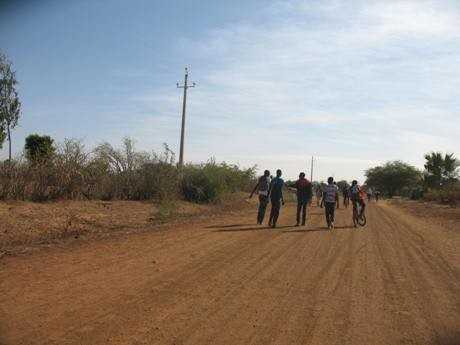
[[354, 83]]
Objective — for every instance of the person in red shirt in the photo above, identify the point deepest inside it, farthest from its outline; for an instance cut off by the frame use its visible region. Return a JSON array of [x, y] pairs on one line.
[[304, 193]]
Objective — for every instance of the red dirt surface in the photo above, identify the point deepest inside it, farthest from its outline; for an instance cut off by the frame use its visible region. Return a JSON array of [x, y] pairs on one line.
[[26, 224], [224, 280]]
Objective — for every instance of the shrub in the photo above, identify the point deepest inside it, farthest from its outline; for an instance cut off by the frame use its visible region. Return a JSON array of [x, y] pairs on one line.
[[449, 195], [208, 182], [13, 180], [39, 147], [109, 173]]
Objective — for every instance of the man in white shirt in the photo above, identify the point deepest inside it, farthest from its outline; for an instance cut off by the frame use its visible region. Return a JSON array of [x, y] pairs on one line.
[[330, 201]]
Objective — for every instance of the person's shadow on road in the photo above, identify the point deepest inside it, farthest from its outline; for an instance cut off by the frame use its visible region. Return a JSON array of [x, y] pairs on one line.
[[233, 228]]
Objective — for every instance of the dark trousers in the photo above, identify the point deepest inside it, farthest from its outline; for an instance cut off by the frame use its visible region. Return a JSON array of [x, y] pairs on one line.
[[263, 202], [275, 211], [302, 208], [330, 211]]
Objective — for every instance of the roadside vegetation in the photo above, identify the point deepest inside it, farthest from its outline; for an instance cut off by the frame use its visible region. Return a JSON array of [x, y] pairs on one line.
[[439, 181], [51, 171], [67, 171]]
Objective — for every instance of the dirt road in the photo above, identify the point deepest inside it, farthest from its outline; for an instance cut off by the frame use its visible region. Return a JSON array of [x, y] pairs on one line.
[[227, 281]]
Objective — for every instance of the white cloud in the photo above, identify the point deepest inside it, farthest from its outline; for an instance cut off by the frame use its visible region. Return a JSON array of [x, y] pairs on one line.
[[420, 18], [358, 82]]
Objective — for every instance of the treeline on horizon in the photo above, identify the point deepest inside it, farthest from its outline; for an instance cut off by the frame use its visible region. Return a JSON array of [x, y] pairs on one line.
[[439, 181]]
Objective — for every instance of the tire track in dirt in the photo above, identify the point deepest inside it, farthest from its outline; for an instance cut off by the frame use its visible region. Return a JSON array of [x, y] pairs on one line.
[[216, 311], [428, 282], [80, 291], [231, 283], [431, 255], [417, 313], [176, 280]]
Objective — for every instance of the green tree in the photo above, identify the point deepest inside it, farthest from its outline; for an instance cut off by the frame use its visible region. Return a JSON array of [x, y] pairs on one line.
[[10, 106], [393, 178], [39, 147], [440, 169], [343, 185]]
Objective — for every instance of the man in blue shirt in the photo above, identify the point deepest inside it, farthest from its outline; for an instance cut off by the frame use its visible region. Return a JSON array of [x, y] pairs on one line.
[[276, 198]]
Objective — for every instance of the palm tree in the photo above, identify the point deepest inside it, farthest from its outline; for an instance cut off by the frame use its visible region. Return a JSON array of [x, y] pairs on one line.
[[440, 169]]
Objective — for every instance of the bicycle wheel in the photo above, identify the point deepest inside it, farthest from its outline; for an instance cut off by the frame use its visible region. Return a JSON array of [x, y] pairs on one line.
[[362, 220]]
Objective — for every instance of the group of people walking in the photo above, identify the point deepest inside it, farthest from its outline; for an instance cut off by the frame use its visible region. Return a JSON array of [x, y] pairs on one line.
[[270, 190]]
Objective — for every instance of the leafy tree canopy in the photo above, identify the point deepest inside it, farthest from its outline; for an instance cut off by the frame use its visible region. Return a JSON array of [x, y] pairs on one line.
[[39, 147], [10, 106], [343, 185], [440, 169], [393, 177]]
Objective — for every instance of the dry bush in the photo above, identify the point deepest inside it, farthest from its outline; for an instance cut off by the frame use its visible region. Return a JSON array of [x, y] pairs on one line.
[[13, 180], [109, 173], [449, 195]]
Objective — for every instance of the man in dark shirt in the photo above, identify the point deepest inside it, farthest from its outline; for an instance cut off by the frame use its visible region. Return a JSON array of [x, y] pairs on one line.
[[263, 189], [346, 196], [276, 198], [304, 194]]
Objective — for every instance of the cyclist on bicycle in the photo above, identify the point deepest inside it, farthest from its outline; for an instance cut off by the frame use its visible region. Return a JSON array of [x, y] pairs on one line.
[[357, 196]]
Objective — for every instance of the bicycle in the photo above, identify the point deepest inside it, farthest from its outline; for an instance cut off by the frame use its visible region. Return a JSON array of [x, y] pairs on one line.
[[358, 216]]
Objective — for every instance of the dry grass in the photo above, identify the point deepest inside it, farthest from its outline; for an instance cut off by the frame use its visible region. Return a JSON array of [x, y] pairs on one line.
[[444, 215], [28, 223]]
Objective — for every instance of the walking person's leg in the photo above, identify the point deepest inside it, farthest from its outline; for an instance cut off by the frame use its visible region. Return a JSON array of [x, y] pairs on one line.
[[272, 213], [330, 208], [355, 212], [304, 213], [299, 206], [263, 201], [259, 212], [332, 215], [326, 210], [276, 205]]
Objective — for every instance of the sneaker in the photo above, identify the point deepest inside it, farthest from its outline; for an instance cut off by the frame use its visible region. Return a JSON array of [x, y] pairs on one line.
[[297, 224], [332, 225]]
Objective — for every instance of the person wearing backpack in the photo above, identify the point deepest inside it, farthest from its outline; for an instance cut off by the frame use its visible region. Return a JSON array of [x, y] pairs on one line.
[[357, 196], [263, 189], [330, 201]]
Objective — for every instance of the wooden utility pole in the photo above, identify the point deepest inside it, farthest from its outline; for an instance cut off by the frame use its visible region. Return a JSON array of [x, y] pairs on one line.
[[311, 170], [184, 104]]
